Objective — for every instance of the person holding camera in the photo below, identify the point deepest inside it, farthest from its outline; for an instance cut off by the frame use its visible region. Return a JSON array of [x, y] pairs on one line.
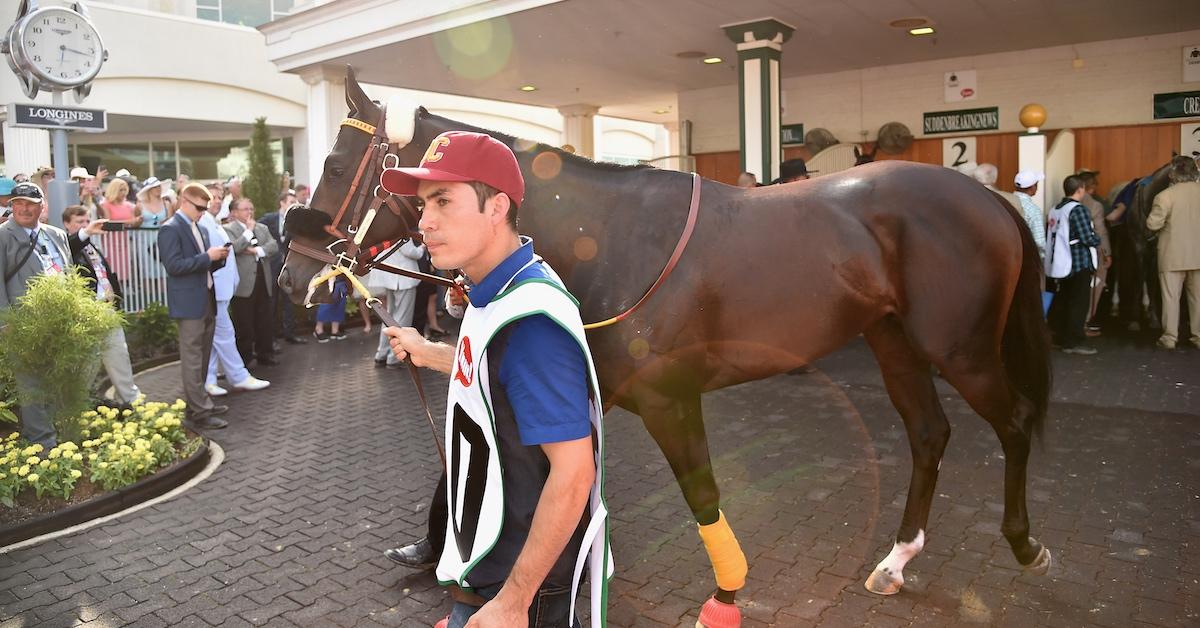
[[90, 262], [250, 307]]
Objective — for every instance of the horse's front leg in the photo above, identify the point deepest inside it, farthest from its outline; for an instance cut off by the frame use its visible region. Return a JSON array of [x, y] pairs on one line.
[[677, 425]]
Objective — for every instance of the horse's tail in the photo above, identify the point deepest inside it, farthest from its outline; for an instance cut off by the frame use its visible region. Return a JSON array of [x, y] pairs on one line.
[[1025, 345]]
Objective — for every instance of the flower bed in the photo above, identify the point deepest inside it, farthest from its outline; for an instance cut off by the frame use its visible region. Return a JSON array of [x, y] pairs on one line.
[[116, 448]]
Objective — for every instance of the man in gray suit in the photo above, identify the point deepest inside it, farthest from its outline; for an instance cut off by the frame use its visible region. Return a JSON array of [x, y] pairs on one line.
[[251, 311], [184, 251], [29, 249]]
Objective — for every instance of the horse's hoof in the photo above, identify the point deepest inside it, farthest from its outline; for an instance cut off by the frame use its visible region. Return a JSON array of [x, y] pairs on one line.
[[1041, 564], [882, 583], [718, 614]]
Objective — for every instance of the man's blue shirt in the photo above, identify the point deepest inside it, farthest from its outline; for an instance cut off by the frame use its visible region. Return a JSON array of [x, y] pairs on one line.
[[543, 370]]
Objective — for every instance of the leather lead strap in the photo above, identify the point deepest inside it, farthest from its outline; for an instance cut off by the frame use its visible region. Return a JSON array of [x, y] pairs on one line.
[[377, 307]]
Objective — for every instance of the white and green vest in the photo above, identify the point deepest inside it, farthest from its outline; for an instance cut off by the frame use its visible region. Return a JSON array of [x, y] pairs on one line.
[[474, 490]]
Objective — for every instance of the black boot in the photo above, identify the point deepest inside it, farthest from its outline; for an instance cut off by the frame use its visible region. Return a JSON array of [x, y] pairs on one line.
[[419, 555]]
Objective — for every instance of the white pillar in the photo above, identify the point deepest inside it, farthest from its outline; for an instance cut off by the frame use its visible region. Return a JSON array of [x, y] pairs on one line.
[[759, 46], [326, 108], [25, 150], [579, 128], [1031, 155], [668, 142]]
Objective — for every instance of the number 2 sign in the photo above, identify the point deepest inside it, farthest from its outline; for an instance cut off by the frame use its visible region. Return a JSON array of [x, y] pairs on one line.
[[957, 151]]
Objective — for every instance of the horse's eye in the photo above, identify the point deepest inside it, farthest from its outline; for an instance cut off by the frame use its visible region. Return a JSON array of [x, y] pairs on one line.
[[336, 173]]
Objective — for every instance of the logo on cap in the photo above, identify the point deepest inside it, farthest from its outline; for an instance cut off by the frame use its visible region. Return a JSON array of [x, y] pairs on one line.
[[434, 153]]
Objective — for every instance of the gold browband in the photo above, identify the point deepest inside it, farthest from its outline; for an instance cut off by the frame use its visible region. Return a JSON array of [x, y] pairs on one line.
[[360, 125]]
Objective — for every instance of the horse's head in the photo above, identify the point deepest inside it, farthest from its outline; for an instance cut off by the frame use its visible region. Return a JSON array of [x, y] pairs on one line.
[[349, 180], [863, 157]]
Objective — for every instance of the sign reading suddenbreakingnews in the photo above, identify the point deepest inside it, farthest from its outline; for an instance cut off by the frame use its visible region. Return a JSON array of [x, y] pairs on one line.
[[54, 117], [1177, 105], [987, 119]]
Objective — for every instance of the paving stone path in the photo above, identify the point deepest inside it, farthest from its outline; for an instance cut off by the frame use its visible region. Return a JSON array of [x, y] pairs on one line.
[[333, 464]]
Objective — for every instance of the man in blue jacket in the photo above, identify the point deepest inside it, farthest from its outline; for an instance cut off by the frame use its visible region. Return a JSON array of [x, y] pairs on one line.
[[184, 251]]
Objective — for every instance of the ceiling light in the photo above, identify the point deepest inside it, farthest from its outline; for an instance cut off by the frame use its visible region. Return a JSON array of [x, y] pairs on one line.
[[712, 60], [662, 111], [924, 30], [528, 88]]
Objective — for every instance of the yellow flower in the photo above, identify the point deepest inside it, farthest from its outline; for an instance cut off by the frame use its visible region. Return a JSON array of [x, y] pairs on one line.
[[75, 473], [103, 465], [54, 453], [92, 457], [2, 476], [32, 460], [14, 436], [23, 471], [43, 464], [54, 467], [77, 457], [156, 437], [126, 412], [140, 467], [33, 477]]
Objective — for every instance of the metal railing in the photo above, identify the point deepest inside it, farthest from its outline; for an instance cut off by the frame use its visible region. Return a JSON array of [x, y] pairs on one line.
[[133, 256]]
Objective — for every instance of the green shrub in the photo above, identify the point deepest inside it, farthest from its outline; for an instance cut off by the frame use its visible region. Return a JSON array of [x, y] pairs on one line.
[[151, 333], [56, 332], [262, 184]]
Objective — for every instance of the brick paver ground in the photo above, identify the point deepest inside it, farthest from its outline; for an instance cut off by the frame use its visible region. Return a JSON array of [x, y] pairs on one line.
[[333, 464]]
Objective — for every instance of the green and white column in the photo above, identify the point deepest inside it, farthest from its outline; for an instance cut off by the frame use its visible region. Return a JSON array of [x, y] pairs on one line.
[[759, 49]]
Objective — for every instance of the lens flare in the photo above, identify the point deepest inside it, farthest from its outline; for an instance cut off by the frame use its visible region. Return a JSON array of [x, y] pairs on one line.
[[585, 248], [547, 165], [476, 51]]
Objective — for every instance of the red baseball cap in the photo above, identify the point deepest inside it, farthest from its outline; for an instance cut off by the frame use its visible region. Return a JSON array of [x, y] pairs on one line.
[[461, 156]]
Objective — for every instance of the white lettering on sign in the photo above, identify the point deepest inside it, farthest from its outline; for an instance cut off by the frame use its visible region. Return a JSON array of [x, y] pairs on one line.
[[1191, 106], [61, 116]]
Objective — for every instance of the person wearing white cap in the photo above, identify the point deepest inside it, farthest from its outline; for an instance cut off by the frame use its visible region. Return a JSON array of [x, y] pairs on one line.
[[1026, 183], [154, 210]]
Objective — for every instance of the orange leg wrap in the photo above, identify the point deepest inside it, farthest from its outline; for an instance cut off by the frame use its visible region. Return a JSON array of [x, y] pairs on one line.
[[728, 561]]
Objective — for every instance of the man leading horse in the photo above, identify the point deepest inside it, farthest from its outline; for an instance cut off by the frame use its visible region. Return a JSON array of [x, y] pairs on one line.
[[523, 418]]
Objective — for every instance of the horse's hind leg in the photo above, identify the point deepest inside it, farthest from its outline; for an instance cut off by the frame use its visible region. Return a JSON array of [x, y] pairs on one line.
[[677, 425], [910, 387], [983, 385]]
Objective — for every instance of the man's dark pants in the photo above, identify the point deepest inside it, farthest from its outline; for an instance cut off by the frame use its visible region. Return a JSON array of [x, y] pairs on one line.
[[1069, 310], [253, 321]]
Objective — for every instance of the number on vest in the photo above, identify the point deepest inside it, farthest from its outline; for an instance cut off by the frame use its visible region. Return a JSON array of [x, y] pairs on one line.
[[466, 493]]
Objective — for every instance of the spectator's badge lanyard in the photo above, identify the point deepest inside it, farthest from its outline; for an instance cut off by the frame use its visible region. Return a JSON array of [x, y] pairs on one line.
[[50, 265]]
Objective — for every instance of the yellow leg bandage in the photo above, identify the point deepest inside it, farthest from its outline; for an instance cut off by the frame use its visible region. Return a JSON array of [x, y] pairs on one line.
[[728, 561]]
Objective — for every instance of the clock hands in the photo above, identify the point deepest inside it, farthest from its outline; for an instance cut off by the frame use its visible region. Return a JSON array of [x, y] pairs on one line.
[[78, 52]]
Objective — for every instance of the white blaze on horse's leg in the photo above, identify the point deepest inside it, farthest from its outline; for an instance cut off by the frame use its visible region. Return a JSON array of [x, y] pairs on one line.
[[888, 576], [401, 122]]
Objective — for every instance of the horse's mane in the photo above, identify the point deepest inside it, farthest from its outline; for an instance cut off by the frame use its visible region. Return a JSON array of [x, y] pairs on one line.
[[520, 145]]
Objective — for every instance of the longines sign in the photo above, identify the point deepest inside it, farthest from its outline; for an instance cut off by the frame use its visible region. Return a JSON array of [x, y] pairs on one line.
[[1177, 105], [51, 117]]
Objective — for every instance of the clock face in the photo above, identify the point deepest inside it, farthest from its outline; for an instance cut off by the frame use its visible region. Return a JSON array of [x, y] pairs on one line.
[[60, 46]]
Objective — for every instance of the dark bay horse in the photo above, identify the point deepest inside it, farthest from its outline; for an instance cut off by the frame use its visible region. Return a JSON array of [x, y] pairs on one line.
[[932, 268]]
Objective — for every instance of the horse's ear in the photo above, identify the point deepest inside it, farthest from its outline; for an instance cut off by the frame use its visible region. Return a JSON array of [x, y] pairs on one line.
[[356, 98], [1174, 154]]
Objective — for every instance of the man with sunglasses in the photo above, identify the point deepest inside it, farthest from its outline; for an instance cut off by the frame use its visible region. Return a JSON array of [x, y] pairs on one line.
[[185, 253]]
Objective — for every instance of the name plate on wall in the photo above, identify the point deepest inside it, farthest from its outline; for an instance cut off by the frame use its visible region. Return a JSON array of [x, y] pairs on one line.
[[1176, 105], [52, 117], [986, 119], [791, 134]]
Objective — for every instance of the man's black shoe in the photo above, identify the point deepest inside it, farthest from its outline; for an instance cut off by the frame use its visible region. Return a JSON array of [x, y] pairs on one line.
[[419, 555], [218, 410], [207, 423], [295, 340]]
